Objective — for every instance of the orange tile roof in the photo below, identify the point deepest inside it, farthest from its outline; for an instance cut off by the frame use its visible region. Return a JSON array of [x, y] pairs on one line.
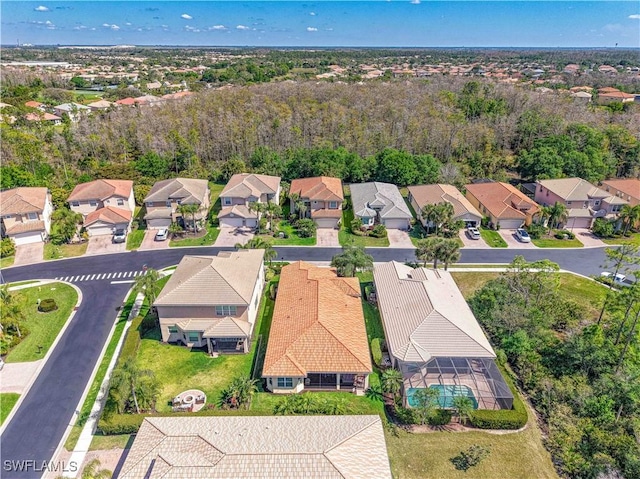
[[41, 116], [322, 188], [23, 200], [629, 186], [318, 325], [503, 200], [101, 190], [33, 104], [108, 215], [126, 101]]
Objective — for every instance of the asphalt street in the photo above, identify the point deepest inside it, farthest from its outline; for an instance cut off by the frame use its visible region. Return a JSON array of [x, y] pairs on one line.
[[39, 424]]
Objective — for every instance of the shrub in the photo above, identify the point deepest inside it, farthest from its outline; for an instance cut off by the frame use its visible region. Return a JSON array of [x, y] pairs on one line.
[[7, 247], [376, 351], [536, 231], [406, 415], [46, 305], [470, 457], [440, 417], [356, 226], [131, 341], [567, 233], [306, 228], [273, 291], [120, 424], [379, 231], [603, 228]]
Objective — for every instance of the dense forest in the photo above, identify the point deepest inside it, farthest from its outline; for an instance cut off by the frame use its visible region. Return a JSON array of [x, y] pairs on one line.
[[463, 128]]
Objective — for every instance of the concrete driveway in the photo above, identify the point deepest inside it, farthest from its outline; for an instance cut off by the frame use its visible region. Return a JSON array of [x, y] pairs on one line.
[[104, 244], [399, 239], [588, 239], [29, 253], [149, 242], [327, 237], [229, 236], [471, 243], [513, 242]]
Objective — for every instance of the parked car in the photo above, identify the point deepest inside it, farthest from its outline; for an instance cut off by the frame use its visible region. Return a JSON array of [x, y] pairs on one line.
[[523, 236], [120, 236], [619, 278], [473, 233], [162, 234]]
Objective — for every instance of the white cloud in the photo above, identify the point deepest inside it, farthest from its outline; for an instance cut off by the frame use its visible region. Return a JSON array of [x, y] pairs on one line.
[[635, 17], [48, 22], [218, 27], [191, 29], [415, 2], [313, 14], [312, 29], [115, 27], [111, 26], [128, 24], [41, 8], [243, 27], [186, 16]]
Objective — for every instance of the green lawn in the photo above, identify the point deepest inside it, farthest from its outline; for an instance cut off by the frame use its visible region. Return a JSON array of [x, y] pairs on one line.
[[263, 403], [346, 238], [52, 251], [293, 238], [470, 282], [7, 261], [43, 327], [492, 238], [633, 238], [204, 240], [117, 441], [549, 241], [134, 238], [7, 401]]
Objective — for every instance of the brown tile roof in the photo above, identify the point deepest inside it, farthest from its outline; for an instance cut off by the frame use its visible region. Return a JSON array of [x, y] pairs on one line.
[[101, 190], [629, 186], [318, 324], [244, 185], [617, 94], [434, 194], [126, 101], [23, 200], [25, 227], [109, 215], [503, 200], [33, 104], [321, 188], [41, 117], [248, 447], [326, 213]]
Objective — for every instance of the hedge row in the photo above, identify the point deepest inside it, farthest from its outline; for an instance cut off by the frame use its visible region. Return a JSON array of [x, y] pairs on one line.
[[439, 417], [131, 341], [376, 351], [502, 418]]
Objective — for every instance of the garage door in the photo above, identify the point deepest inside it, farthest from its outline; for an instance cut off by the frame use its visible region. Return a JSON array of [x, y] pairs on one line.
[[158, 223], [579, 223], [396, 224], [28, 238], [230, 222], [510, 224], [99, 230], [326, 222]]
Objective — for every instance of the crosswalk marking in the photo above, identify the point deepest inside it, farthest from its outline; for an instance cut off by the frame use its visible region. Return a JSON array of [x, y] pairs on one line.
[[102, 276]]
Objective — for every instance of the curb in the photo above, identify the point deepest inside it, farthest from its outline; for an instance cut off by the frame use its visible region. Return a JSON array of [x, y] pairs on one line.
[[49, 352]]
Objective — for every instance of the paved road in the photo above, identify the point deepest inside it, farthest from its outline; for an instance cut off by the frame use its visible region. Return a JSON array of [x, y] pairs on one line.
[[38, 426]]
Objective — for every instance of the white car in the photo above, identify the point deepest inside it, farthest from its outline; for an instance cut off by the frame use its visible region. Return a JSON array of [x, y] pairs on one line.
[[619, 278], [523, 236], [162, 234], [473, 233]]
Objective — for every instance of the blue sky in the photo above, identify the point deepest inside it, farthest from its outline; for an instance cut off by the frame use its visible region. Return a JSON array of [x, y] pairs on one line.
[[410, 23]]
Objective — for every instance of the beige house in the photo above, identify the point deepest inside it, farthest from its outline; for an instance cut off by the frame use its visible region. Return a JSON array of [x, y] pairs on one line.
[[380, 203], [240, 192], [212, 301], [249, 447], [106, 205], [26, 214], [434, 339], [584, 201], [625, 188], [613, 95], [422, 195], [318, 338], [322, 196], [503, 204], [166, 196]]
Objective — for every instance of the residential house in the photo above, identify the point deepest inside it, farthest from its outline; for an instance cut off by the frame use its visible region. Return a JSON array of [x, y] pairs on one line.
[[46, 117], [163, 201], [26, 214], [100, 105], [584, 201], [504, 205], [74, 111], [240, 192], [129, 101], [318, 338], [322, 196], [434, 339], [212, 301], [244, 447], [422, 195], [613, 95], [380, 203], [626, 188], [37, 105]]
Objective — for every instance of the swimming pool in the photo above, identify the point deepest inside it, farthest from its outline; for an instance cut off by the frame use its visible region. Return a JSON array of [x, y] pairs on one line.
[[447, 393]]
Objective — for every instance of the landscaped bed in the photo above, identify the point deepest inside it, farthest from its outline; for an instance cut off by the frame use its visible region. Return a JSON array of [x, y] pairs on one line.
[[43, 327]]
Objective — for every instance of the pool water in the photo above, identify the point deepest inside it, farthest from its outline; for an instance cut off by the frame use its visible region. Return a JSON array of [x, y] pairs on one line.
[[447, 393]]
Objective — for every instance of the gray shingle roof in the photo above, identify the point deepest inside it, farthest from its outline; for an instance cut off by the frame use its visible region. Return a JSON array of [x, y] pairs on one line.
[[309, 447], [189, 190], [425, 316], [365, 196]]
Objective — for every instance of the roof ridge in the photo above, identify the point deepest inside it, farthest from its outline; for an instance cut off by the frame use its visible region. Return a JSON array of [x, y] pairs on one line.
[[164, 437], [356, 433], [342, 344], [457, 327], [229, 284]]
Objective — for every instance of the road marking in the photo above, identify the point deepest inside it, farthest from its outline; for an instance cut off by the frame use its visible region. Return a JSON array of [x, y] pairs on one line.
[[119, 274], [123, 282], [108, 276], [72, 278], [81, 278], [92, 276]]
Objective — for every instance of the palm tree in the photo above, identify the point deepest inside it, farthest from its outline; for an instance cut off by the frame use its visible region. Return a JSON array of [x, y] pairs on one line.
[[426, 251], [258, 243], [12, 313], [127, 377], [351, 260], [391, 381], [443, 214], [190, 209], [630, 216], [463, 407], [272, 210], [558, 213], [301, 207], [448, 251], [93, 471], [428, 214], [259, 208], [147, 283]]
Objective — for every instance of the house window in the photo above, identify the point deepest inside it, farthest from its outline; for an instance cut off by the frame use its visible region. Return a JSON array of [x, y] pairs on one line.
[[149, 204], [173, 329], [615, 208], [32, 216], [120, 202], [286, 383], [226, 310], [193, 336], [596, 203], [75, 203], [167, 203], [179, 202], [93, 203], [226, 201], [333, 205], [568, 203], [6, 217]]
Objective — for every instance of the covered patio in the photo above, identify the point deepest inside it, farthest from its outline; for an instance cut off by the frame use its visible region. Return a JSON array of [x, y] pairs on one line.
[[479, 377]]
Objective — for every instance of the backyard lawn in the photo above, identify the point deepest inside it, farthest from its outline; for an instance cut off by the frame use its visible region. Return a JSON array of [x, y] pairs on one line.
[[7, 401], [492, 238], [347, 238], [43, 327], [52, 251]]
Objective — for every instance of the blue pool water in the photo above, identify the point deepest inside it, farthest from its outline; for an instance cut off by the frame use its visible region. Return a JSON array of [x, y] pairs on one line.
[[447, 393]]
